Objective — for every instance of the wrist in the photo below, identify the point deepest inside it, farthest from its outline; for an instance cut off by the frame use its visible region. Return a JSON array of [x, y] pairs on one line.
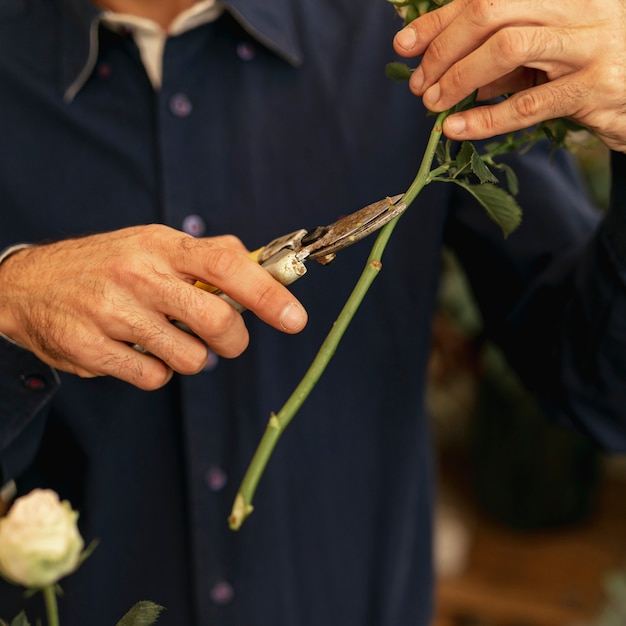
[[7, 320]]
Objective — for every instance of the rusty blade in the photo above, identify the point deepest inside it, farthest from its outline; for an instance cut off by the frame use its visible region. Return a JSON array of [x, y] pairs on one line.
[[326, 241]]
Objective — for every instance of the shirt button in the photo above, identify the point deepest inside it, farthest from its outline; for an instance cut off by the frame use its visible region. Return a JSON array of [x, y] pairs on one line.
[[104, 70], [34, 382], [222, 593], [211, 362], [180, 105], [216, 478], [194, 225], [246, 51]]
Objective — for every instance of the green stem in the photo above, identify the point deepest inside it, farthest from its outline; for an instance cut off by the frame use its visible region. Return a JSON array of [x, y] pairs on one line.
[[423, 176], [242, 506], [52, 610]]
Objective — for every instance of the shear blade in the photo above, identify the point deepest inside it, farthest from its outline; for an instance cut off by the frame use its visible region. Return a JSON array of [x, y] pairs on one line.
[[354, 227]]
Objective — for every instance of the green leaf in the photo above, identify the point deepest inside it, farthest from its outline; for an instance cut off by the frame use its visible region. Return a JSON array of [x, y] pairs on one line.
[[500, 205], [493, 146], [412, 13], [86, 553], [415, 8], [484, 174], [464, 156], [20, 620], [511, 177], [398, 71], [468, 158], [143, 613]]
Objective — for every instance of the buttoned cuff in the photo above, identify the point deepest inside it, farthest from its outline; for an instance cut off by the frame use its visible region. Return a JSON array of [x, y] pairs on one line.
[[27, 384]]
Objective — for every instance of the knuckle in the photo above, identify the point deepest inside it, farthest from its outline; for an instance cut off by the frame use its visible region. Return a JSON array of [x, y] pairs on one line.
[[124, 269], [456, 77], [437, 52], [145, 372], [526, 104], [224, 331], [156, 232], [546, 102], [510, 45], [235, 350], [231, 241], [437, 19], [485, 118], [152, 236], [265, 295], [483, 12], [222, 262], [190, 360], [156, 377], [222, 323]]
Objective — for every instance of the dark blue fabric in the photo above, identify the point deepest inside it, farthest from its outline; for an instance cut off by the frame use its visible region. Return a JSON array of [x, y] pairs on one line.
[[292, 123]]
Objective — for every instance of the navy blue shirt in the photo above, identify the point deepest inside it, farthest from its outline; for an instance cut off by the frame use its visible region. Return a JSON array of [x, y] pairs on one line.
[[277, 116]]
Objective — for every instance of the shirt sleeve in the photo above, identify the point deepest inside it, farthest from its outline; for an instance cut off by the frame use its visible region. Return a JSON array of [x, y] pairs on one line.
[[27, 386], [553, 295], [615, 224], [7, 252]]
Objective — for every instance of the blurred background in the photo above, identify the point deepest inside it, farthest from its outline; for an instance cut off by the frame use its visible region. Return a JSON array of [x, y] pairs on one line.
[[530, 519]]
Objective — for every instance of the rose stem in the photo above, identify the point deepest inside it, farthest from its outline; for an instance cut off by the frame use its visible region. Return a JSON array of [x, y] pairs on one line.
[[52, 610], [242, 506]]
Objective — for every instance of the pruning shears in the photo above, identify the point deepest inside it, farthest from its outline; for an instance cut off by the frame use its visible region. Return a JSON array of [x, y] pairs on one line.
[[285, 257]]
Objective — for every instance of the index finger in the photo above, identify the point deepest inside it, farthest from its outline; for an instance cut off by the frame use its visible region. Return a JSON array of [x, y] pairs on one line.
[[247, 283], [414, 38]]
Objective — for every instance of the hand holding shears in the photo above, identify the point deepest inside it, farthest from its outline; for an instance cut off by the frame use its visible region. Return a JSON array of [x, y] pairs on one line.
[[285, 257]]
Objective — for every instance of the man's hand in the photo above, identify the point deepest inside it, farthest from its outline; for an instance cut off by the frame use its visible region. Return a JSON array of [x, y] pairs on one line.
[[81, 304], [559, 59]]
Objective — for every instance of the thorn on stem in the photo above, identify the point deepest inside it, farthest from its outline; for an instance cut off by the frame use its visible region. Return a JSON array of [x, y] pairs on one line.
[[274, 423]]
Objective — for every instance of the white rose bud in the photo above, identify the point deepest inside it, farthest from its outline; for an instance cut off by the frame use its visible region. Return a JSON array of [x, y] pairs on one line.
[[39, 540]]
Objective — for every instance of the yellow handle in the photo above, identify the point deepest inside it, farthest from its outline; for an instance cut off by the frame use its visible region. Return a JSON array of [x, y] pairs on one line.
[[254, 255]]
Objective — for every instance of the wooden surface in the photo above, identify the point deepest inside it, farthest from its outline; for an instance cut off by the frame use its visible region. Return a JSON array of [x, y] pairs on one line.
[[536, 578]]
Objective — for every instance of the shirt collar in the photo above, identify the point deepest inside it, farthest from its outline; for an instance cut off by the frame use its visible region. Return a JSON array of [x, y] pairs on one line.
[[271, 23], [80, 44], [273, 26]]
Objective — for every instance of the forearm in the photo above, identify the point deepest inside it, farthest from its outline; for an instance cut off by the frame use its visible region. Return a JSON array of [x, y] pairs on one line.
[[553, 295], [587, 386]]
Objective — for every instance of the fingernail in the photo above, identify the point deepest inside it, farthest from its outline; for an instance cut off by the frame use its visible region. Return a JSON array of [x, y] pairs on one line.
[[406, 38], [454, 124], [293, 318], [431, 95], [417, 79]]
